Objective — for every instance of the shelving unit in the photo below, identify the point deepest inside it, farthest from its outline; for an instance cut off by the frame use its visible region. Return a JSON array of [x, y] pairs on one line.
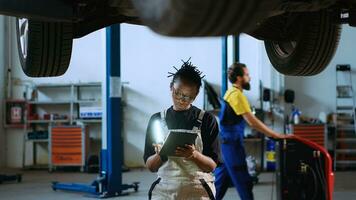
[[58, 105], [345, 124]]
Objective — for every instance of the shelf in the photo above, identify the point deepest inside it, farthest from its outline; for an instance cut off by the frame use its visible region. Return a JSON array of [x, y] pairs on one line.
[[340, 125], [344, 108], [49, 102], [52, 85], [94, 84], [346, 162], [37, 140], [69, 85], [344, 97], [64, 102], [309, 124], [89, 120], [87, 101], [47, 121], [64, 120], [14, 126], [345, 118], [346, 151], [351, 140], [345, 127], [343, 86]]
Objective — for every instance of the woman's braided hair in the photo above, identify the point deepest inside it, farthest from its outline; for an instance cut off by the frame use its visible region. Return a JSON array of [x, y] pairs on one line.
[[187, 73]]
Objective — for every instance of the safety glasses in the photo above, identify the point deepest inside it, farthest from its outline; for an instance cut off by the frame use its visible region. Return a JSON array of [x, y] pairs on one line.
[[180, 96]]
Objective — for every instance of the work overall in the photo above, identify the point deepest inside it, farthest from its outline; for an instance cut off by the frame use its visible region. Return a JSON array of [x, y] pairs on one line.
[[179, 178], [234, 167]]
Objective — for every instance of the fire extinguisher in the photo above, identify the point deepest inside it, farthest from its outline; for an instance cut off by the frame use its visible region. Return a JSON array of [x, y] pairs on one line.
[[271, 155]]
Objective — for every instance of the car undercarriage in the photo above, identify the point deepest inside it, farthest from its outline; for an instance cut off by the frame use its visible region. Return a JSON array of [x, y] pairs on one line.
[[300, 36]]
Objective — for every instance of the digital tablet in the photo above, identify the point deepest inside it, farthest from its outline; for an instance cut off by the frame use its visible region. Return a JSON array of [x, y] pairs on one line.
[[177, 139]]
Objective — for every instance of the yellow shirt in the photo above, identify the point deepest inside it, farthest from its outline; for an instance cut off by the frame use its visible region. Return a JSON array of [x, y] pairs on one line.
[[237, 100]]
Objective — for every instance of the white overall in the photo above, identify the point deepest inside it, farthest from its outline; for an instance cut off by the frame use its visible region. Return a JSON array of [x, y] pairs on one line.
[[179, 178]]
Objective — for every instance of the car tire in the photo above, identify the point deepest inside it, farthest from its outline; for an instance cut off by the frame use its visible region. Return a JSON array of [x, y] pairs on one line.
[[311, 50], [45, 48], [201, 17]]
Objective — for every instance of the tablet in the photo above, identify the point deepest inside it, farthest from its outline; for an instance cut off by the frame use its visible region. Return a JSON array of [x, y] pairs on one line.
[[177, 139]]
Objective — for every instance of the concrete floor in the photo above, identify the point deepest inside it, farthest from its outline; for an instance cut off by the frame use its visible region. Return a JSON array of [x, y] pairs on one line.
[[36, 185]]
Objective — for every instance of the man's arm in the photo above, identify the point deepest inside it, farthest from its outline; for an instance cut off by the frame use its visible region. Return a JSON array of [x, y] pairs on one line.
[[255, 123]]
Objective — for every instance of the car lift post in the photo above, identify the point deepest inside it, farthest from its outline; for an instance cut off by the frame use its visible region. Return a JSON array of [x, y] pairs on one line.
[[224, 59], [223, 65], [109, 182]]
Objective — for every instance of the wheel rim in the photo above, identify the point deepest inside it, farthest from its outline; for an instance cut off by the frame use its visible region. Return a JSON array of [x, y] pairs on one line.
[[284, 49], [23, 35]]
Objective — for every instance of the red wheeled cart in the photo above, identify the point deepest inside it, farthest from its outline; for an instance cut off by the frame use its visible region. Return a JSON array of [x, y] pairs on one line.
[[304, 170]]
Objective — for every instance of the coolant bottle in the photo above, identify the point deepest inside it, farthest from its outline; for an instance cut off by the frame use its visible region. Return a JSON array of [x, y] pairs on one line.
[[271, 155]]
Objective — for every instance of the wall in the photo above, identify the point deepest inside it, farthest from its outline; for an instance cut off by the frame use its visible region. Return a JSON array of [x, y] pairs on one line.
[[317, 94]]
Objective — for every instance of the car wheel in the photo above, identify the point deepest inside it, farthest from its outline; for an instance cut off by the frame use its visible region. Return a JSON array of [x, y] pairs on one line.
[[201, 17], [45, 48], [312, 48]]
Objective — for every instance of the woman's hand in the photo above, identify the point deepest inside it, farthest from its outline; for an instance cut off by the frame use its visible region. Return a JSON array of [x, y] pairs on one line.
[[157, 147], [188, 151], [155, 161]]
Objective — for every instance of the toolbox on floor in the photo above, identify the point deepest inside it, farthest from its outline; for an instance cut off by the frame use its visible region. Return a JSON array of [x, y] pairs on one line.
[[68, 146]]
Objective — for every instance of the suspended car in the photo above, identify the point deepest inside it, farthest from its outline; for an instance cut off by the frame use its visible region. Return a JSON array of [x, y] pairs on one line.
[[300, 36]]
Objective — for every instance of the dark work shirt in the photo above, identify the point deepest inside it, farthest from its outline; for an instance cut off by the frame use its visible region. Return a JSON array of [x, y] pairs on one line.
[[229, 116], [186, 120]]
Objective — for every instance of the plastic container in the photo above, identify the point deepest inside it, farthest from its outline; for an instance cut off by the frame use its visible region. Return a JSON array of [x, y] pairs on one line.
[[296, 116], [271, 155]]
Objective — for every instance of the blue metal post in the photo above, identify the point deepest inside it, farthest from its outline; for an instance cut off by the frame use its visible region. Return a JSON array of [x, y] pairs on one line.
[[236, 55], [224, 66], [109, 182], [113, 99]]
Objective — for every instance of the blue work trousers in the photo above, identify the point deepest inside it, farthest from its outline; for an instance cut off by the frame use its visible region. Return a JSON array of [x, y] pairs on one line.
[[234, 167]]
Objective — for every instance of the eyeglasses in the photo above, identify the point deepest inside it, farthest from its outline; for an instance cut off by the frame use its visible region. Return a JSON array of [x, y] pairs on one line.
[[180, 96]]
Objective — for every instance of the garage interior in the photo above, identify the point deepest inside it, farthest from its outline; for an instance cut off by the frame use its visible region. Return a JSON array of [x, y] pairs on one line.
[[132, 62]]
